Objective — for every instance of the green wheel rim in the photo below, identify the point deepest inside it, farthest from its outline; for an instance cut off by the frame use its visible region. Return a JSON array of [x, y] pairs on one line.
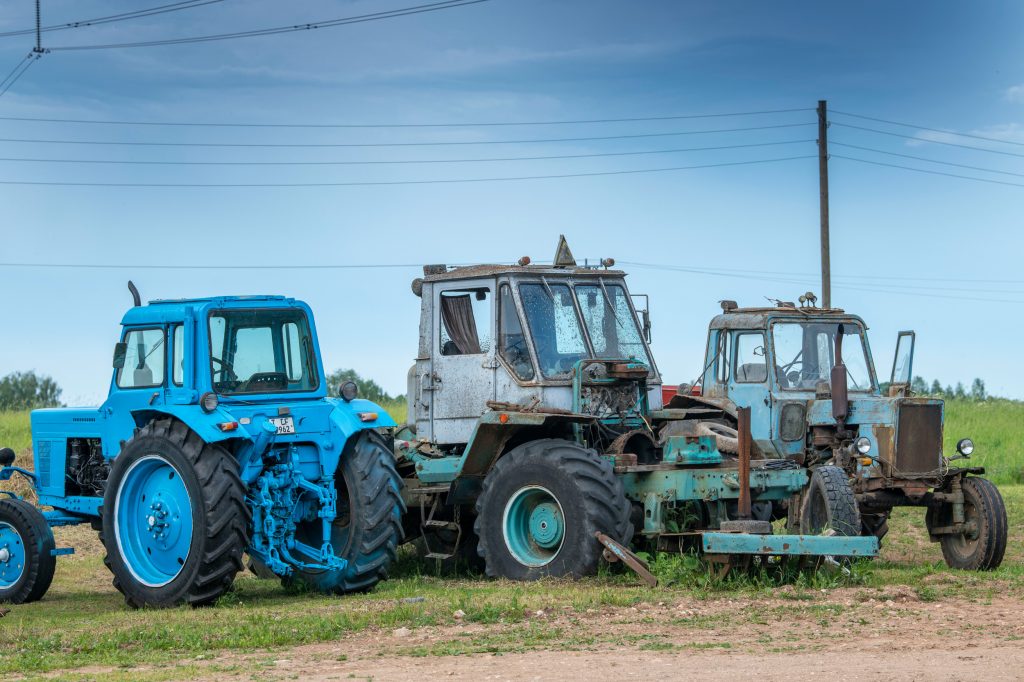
[[533, 526]]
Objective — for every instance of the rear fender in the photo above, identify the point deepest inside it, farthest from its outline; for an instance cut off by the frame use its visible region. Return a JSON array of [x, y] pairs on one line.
[[498, 432], [204, 424]]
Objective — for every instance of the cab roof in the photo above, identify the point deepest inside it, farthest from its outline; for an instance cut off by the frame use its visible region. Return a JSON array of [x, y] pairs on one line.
[[443, 273], [758, 318], [170, 310]]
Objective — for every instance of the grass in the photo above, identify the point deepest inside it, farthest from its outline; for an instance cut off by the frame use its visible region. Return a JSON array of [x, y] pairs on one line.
[[997, 429], [83, 621]]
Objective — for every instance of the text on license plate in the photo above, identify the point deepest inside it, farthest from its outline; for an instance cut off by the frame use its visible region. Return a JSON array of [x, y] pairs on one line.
[[283, 424]]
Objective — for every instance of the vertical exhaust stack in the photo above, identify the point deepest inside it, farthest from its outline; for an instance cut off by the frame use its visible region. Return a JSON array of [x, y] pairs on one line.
[[840, 399], [136, 298]]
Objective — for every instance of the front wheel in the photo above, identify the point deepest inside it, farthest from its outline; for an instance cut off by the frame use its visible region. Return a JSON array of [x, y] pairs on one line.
[[982, 547], [829, 504], [175, 522], [540, 506], [368, 527], [26, 553]]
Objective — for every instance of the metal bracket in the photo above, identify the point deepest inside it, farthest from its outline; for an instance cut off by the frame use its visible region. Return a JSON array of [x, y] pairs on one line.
[[617, 552]]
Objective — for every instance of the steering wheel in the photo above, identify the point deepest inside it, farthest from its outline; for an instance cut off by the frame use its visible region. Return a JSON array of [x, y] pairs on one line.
[[226, 369]]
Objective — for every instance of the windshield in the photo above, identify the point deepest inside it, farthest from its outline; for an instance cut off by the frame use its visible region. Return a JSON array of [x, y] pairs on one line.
[[805, 354], [261, 351], [555, 327], [610, 322]]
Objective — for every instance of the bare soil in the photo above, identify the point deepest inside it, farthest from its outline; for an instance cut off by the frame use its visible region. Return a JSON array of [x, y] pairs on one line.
[[845, 634]]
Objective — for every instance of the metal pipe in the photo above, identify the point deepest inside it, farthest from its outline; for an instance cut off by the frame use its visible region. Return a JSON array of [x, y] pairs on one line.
[[743, 504]]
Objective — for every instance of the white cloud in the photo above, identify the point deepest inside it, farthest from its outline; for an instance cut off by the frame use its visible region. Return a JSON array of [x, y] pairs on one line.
[[1015, 93]]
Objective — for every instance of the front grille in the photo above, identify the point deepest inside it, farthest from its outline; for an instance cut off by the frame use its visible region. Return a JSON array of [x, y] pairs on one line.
[[918, 439]]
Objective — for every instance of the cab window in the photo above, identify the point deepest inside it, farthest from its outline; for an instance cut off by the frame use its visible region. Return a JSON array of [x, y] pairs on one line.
[[465, 322], [751, 367], [178, 356], [144, 359], [723, 352], [511, 339]]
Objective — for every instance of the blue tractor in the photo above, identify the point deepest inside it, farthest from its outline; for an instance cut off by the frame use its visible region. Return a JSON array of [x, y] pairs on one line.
[[217, 439], [807, 376]]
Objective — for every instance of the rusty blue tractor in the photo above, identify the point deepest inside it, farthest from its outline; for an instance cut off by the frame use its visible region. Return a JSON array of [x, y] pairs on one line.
[[807, 376], [217, 439], [537, 444]]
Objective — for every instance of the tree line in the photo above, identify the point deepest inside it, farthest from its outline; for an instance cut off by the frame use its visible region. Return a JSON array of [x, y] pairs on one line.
[[30, 391]]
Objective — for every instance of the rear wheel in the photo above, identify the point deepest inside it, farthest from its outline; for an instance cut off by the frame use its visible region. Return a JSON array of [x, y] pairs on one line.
[[26, 560], [175, 523], [829, 504], [368, 527], [981, 548], [540, 506]]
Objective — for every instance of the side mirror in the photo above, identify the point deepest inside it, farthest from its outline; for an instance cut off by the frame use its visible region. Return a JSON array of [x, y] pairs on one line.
[[903, 363], [645, 314], [120, 351]]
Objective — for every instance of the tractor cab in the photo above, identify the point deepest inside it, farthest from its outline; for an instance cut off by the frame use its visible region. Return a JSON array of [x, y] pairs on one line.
[[526, 335]]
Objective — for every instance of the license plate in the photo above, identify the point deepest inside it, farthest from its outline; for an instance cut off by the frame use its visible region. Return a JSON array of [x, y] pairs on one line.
[[283, 424]]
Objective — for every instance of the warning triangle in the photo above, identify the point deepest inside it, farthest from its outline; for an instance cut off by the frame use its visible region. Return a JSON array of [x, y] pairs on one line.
[[563, 256]]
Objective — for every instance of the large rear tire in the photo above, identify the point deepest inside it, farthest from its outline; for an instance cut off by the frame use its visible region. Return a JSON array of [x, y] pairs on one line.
[[26, 553], [540, 506], [368, 528], [983, 549], [829, 504], [175, 523]]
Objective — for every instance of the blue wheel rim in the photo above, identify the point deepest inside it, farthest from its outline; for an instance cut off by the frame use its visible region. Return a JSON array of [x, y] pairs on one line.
[[533, 526], [12, 556], [153, 515]]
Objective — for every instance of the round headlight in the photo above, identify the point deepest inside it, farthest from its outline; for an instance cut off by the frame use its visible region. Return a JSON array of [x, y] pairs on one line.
[[863, 445], [209, 401], [965, 446], [348, 391]]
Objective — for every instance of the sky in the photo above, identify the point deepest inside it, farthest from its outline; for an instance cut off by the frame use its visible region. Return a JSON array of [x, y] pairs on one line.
[[910, 250]]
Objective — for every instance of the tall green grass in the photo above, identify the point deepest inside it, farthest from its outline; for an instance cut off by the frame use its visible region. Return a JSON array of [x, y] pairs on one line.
[[997, 429], [14, 431]]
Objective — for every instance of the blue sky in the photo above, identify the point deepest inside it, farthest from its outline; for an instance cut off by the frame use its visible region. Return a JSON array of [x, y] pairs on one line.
[[749, 231]]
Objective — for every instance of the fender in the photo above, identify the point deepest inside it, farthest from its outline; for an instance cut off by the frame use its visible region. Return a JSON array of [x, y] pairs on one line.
[[203, 423]]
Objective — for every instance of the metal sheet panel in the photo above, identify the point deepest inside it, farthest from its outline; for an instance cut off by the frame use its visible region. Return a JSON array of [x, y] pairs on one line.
[[799, 545], [918, 439]]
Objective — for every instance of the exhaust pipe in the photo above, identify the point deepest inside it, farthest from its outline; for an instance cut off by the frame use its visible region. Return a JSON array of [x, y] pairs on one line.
[[840, 399]]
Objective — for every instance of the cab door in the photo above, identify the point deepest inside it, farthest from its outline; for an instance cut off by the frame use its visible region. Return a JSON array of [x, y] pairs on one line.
[[748, 383], [464, 363]]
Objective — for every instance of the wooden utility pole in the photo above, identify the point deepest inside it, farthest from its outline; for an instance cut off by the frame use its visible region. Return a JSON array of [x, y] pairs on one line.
[[826, 268]]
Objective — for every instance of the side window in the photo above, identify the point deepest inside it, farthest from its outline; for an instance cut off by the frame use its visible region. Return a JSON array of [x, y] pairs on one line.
[[724, 355], [511, 339], [144, 360], [750, 360], [292, 351], [178, 356], [465, 322]]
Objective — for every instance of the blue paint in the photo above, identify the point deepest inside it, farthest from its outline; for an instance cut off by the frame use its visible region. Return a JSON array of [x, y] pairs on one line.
[[289, 475], [12, 556], [789, 545], [533, 526], [154, 521]]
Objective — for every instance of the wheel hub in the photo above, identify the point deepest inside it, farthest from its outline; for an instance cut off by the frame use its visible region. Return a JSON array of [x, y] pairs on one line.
[[546, 525], [154, 521], [5, 555]]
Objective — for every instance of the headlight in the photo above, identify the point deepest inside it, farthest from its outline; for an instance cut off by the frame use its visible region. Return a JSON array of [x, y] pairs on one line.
[[863, 445], [965, 446], [348, 391], [209, 402]]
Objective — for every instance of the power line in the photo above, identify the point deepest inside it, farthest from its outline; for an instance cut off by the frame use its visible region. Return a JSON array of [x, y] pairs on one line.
[[930, 172], [327, 23], [400, 161], [136, 14], [922, 158], [933, 130], [472, 124], [18, 72], [925, 139], [804, 282], [402, 182], [271, 145]]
